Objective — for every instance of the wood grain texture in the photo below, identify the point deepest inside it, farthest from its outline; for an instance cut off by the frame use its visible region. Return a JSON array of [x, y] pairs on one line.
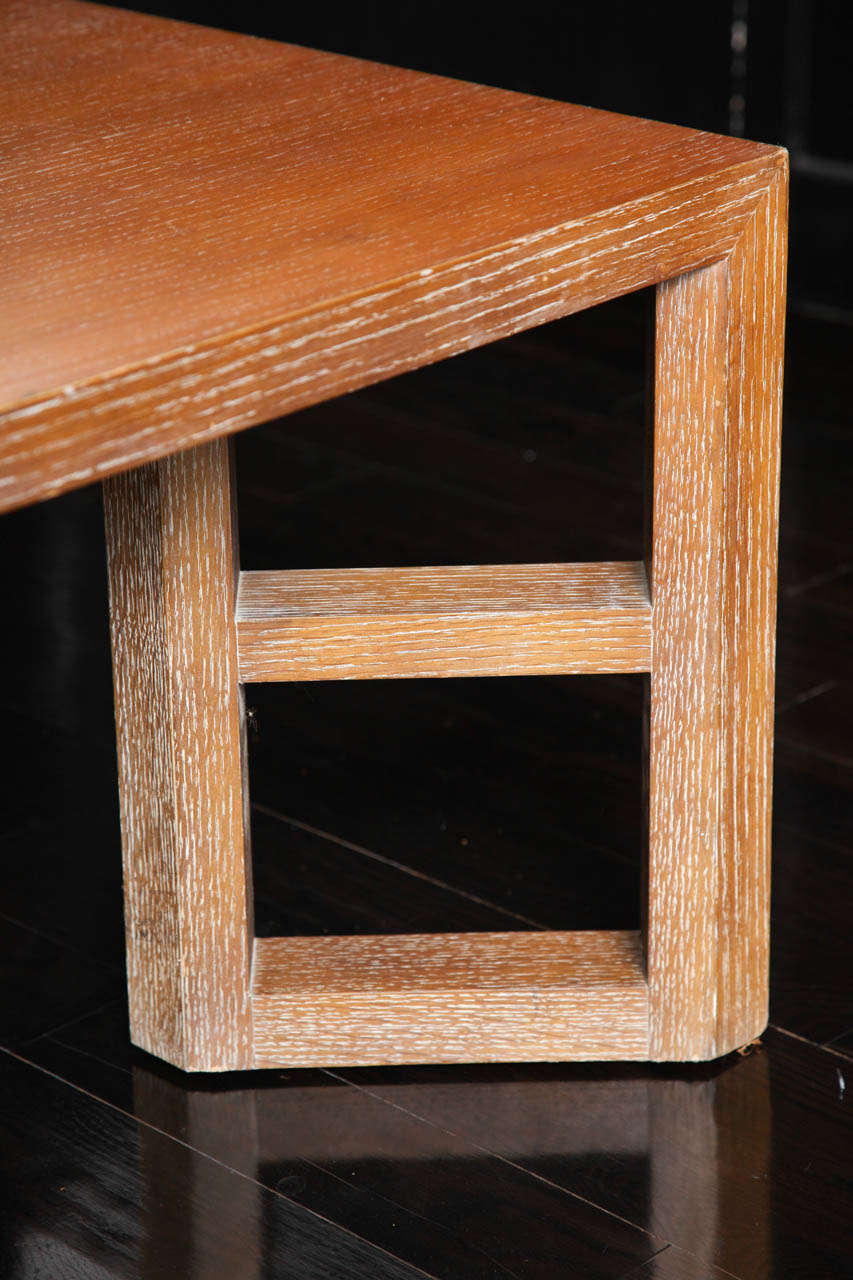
[[686, 571], [276, 226], [713, 585], [178, 722], [473, 997], [480, 620], [756, 349]]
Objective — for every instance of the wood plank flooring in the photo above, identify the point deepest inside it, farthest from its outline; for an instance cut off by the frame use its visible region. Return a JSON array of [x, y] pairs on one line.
[[404, 806]]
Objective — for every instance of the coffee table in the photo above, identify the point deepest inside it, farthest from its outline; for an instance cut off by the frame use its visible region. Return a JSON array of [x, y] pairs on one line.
[[205, 231]]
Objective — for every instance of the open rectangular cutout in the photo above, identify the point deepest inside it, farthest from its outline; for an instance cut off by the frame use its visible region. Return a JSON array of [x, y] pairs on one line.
[[430, 806], [525, 451]]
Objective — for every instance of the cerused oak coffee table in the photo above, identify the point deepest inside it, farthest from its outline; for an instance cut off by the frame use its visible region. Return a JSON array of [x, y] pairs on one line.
[[204, 231]]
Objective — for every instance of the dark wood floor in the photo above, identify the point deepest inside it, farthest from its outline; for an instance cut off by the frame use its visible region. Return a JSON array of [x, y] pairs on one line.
[[420, 806]]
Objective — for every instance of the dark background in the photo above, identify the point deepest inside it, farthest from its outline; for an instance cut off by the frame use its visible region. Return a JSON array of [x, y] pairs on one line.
[[421, 806], [773, 70]]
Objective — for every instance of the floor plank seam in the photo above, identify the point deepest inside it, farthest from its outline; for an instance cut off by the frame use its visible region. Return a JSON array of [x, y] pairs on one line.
[[806, 695], [821, 1046], [54, 1032], [170, 1137], [113, 967], [495, 1155], [343, 843], [644, 1266]]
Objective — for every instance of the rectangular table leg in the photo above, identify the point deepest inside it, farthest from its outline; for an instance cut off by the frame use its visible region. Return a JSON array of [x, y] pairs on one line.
[[172, 568], [712, 576]]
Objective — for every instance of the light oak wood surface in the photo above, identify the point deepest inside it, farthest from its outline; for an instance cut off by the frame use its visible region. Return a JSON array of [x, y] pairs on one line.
[[469, 997], [181, 751], [479, 620], [719, 352], [204, 230], [684, 785]]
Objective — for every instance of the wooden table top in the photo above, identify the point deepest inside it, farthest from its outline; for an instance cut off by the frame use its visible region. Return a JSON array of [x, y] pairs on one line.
[[203, 230]]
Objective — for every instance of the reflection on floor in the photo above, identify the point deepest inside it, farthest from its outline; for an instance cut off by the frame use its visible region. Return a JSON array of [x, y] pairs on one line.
[[422, 806]]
